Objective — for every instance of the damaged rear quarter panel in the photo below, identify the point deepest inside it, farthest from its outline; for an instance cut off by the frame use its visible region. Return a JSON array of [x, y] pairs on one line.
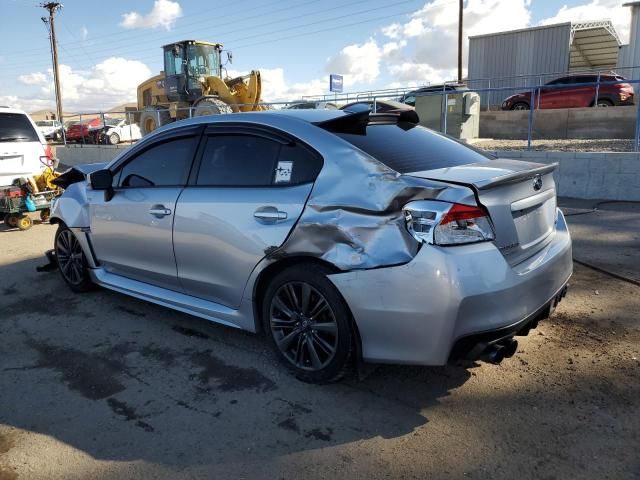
[[353, 218]]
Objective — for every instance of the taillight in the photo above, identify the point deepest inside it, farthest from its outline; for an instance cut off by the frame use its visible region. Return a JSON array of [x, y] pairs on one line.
[[48, 159], [443, 223]]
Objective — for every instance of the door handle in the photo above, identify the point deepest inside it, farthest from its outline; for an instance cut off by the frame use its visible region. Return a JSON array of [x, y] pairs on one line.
[[269, 215], [159, 211]]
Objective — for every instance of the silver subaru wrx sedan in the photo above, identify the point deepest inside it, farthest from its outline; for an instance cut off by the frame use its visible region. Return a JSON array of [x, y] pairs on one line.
[[342, 236]]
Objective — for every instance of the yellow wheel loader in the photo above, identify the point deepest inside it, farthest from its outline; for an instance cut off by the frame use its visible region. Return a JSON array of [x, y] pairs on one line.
[[191, 84]]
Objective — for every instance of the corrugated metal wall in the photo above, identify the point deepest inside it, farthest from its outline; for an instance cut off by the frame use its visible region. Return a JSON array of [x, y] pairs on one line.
[[630, 54], [524, 52]]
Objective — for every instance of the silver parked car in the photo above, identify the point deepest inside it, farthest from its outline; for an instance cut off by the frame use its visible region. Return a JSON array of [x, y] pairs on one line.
[[342, 236]]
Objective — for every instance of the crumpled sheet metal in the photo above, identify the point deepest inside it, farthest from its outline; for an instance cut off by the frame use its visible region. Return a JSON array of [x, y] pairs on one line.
[[353, 218], [72, 207]]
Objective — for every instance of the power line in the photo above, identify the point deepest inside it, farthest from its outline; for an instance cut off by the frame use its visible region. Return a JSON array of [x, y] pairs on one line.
[[331, 19], [132, 34]]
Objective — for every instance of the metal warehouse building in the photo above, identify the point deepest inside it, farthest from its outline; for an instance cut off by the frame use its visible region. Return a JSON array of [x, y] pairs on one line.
[[630, 53], [518, 58]]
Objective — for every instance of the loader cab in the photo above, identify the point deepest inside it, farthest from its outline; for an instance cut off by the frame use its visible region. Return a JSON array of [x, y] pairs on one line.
[[184, 63]]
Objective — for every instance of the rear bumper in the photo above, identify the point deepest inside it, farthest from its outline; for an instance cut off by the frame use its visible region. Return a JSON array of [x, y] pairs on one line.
[[471, 347], [418, 312]]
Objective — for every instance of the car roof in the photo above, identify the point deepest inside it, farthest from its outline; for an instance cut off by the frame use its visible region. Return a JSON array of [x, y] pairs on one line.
[[435, 88], [310, 116], [5, 109]]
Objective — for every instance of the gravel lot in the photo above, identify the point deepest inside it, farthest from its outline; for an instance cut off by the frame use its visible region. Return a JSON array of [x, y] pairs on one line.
[[575, 145], [103, 386]]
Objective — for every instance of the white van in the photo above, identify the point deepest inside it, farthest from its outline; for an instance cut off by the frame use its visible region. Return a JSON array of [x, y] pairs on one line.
[[23, 149]]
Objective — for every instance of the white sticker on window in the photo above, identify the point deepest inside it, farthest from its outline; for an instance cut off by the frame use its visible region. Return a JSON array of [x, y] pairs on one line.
[[283, 172]]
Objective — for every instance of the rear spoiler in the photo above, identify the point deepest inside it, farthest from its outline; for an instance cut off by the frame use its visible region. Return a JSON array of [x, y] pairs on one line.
[[515, 177], [356, 123]]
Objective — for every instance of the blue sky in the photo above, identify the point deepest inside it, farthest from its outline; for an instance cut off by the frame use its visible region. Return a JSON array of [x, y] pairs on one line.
[[107, 47]]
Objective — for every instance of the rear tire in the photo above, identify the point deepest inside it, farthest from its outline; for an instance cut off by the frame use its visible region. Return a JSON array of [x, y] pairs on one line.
[[308, 324], [72, 263], [114, 139], [153, 118], [11, 220], [211, 106], [520, 106]]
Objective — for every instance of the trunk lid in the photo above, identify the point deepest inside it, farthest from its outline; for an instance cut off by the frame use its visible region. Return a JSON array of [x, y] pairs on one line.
[[519, 196]]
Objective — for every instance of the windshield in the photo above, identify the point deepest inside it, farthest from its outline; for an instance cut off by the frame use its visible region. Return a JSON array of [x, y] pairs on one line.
[[44, 123], [410, 148], [16, 127], [203, 60]]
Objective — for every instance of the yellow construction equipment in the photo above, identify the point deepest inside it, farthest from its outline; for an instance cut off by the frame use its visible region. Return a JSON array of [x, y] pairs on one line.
[[192, 85]]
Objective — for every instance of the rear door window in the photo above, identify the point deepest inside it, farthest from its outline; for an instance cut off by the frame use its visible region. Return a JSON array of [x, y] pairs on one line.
[[406, 148], [245, 160], [16, 127]]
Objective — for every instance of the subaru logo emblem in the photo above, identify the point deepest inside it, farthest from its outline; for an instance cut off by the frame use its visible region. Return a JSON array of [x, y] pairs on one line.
[[537, 182]]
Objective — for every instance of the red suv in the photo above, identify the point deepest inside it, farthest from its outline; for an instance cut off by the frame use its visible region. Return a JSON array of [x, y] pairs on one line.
[[89, 130], [564, 94]]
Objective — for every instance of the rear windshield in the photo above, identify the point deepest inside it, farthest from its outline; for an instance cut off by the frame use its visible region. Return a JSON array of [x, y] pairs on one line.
[[16, 127], [406, 148]]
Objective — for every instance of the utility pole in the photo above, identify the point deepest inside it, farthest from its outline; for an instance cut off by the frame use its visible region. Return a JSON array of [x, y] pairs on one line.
[[52, 7], [460, 41]]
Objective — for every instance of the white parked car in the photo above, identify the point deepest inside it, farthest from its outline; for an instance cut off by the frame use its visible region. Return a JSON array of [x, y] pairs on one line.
[[119, 130], [23, 149], [50, 129]]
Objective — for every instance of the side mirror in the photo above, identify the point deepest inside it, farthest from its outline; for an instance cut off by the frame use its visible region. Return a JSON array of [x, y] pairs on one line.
[[102, 180]]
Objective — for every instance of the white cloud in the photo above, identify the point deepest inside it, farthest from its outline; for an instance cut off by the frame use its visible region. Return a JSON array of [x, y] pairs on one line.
[[392, 31], [37, 78], [359, 63], [410, 73], [433, 33], [596, 10], [163, 14], [112, 82], [84, 33]]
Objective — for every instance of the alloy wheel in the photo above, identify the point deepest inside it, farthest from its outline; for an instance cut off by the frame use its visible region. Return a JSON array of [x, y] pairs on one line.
[[69, 255], [303, 326]]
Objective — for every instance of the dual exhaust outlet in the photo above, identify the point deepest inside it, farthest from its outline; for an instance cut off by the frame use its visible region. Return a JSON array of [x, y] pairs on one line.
[[497, 352]]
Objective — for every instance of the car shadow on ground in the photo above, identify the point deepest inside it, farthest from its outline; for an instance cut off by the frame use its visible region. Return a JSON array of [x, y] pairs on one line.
[[122, 379]]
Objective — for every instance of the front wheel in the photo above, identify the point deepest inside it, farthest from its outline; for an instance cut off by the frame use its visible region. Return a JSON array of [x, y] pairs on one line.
[[71, 260], [308, 324], [603, 102], [211, 106], [114, 139], [520, 106]]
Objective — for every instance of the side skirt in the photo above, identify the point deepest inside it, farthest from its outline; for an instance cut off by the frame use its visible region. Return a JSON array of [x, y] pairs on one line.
[[211, 311]]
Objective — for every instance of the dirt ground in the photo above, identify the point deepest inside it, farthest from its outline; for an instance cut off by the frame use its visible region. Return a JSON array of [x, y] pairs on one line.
[[571, 145], [103, 386]]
